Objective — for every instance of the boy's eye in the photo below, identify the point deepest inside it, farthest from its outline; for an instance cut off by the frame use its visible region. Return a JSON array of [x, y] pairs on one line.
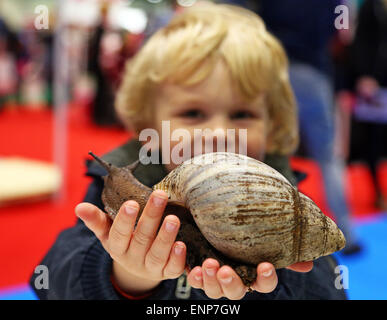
[[242, 115], [194, 113]]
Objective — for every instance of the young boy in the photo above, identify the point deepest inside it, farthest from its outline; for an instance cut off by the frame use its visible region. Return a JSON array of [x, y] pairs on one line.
[[213, 67]]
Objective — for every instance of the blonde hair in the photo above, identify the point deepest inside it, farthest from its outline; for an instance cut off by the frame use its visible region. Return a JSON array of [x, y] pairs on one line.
[[186, 51]]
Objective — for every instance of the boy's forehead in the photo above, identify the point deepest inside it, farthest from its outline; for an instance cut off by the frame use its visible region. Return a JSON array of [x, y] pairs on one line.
[[218, 85]]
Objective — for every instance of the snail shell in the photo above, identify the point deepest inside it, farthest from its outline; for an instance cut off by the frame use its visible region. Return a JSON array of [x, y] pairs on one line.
[[244, 208], [250, 212]]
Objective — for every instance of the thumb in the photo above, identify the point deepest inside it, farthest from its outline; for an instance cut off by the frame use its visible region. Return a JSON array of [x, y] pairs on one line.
[[267, 279], [95, 219], [301, 266]]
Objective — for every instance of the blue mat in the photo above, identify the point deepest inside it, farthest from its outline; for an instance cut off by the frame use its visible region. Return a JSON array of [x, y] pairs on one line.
[[367, 276], [22, 292]]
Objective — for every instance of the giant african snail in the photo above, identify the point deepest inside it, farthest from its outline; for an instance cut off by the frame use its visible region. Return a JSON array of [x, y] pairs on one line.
[[244, 208]]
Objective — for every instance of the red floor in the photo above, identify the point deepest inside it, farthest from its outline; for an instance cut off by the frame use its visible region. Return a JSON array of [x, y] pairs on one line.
[[27, 231]]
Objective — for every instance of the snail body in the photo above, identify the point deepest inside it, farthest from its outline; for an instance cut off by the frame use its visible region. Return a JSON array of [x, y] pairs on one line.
[[245, 209]]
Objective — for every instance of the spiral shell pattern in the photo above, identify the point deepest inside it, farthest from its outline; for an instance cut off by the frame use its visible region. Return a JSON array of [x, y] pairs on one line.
[[249, 211]]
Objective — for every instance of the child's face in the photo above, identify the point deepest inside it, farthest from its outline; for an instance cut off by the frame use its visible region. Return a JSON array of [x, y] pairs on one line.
[[215, 103]]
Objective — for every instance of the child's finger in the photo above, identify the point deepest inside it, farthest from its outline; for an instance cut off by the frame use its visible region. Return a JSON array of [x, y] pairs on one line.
[[147, 225], [95, 219], [267, 279], [158, 254], [176, 263], [210, 282], [195, 278], [301, 266], [232, 285], [122, 228]]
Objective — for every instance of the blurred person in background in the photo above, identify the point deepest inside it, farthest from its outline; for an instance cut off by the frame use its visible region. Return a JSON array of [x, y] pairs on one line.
[[102, 111], [35, 65], [306, 28], [109, 50], [368, 80], [8, 66]]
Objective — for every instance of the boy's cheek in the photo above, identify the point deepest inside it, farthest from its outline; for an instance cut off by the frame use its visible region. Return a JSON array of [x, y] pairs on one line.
[[256, 148], [258, 154]]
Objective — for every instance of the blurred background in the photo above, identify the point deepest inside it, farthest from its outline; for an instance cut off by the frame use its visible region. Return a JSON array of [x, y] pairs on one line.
[[61, 63]]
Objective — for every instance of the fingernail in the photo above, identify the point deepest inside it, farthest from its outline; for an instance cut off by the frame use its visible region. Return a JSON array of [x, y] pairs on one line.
[[130, 210], [170, 226], [76, 210], [267, 273], [179, 250], [226, 280], [158, 202], [198, 277], [210, 272]]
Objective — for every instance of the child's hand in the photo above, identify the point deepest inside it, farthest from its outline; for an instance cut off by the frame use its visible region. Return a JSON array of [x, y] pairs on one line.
[[141, 258], [224, 282]]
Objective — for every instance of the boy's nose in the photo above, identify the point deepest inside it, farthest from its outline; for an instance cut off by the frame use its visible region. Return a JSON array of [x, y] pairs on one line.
[[220, 123], [219, 138]]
